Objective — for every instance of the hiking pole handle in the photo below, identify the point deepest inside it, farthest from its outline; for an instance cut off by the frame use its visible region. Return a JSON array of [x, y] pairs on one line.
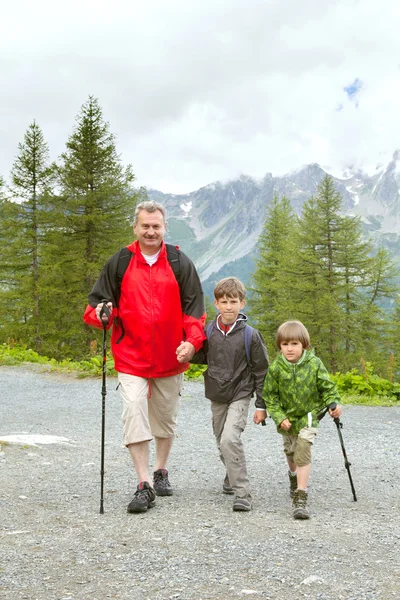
[[104, 313], [331, 406]]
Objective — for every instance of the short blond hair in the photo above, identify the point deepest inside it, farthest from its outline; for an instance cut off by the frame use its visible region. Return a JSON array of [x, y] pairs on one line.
[[293, 330], [149, 206], [231, 287]]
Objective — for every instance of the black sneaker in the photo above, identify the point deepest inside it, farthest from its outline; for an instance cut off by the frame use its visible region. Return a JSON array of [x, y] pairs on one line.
[[162, 486], [143, 499], [226, 486], [300, 508]]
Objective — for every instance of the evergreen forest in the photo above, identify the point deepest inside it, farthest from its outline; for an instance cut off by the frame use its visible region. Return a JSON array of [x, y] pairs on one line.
[[61, 221]]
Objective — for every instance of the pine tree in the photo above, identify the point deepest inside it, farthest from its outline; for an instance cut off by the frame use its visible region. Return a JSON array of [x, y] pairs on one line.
[[341, 284], [93, 214], [23, 227], [273, 285]]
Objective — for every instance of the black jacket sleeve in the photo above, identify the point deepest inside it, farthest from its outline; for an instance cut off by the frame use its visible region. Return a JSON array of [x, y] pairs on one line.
[[106, 286], [192, 297]]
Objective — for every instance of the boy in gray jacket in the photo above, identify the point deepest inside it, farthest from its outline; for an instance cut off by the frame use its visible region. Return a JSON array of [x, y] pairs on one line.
[[230, 381]]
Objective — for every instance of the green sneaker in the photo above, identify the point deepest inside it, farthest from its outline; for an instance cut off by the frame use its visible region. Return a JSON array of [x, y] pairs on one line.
[[300, 508], [293, 483]]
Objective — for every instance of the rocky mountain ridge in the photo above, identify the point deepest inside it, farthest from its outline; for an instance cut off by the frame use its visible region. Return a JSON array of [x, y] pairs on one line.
[[218, 225]]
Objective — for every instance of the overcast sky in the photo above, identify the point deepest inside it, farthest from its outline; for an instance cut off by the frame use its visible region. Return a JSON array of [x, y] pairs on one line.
[[203, 90]]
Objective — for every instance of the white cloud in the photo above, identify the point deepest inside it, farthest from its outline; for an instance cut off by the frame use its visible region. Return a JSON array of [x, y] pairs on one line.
[[204, 90]]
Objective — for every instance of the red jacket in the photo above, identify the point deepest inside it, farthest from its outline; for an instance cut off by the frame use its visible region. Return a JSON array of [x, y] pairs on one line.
[[154, 314]]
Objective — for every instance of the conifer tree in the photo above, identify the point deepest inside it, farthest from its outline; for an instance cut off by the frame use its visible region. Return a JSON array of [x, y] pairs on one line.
[[23, 228], [274, 282], [93, 214]]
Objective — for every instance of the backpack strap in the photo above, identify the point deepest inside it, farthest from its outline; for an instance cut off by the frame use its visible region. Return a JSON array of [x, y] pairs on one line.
[[173, 255], [209, 329], [124, 258]]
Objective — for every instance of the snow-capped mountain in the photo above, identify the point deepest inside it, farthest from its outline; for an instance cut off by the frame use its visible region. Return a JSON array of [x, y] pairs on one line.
[[218, 226]]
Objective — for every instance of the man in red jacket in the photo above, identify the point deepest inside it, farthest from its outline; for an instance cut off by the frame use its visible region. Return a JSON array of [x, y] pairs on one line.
[[150, 313]]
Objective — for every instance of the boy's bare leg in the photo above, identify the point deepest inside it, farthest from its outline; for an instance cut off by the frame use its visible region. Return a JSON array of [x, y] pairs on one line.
[[303, 475], [291, 464], [140, 456], [163, 448]]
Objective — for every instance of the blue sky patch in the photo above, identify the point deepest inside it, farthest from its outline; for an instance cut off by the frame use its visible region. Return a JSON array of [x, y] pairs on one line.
[[353, 89]]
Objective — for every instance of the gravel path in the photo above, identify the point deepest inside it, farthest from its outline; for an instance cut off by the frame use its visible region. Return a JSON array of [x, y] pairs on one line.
[[54, 544]]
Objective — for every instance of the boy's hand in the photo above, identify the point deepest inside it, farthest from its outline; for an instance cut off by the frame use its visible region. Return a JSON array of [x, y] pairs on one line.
[[336, 412], [285, 425], [184, 352], [259, 416]]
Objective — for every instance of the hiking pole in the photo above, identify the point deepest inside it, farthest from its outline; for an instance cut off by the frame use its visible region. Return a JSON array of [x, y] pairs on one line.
[[339, 426], [104, 316]]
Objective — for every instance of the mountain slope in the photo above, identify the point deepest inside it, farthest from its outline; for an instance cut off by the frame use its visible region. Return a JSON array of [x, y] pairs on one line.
[[218, 226]]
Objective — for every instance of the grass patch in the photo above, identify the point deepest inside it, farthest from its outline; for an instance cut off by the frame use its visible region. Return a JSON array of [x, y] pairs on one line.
[[358, 400]]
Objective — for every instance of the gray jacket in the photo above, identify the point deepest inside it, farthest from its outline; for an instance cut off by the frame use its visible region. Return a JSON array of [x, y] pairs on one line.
[[229, 376]]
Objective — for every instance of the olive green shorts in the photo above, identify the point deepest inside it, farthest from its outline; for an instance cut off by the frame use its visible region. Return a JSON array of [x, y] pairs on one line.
[[298, 447]]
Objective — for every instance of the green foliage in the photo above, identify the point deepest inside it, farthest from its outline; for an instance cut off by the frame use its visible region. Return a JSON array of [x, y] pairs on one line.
[[23, 226], [12, 354], [358, 400], [91, 215], [274, 281], [319, 270], [195, 371], [366, 384]]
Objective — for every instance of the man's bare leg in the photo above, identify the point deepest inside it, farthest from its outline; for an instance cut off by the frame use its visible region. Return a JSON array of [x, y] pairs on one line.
[[163, 448], [140, 457]]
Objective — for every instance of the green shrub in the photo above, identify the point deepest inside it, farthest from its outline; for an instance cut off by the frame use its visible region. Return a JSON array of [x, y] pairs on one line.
[[195, 371], [366, 384]]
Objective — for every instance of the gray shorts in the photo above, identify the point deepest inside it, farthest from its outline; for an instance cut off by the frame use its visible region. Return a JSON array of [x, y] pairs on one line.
[[150, 406], [298, 447]]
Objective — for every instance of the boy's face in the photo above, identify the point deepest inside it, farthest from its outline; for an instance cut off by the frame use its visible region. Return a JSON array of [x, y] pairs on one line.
[[229, 308], [292, 350]]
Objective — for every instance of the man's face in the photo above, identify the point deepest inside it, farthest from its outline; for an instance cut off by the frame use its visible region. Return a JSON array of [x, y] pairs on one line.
[[150, 230]]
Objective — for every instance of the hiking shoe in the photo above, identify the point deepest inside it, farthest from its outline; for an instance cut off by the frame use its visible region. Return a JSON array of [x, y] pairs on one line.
[[226, 486], [300, 508], [242, 504], [143, 499], [161, 485], [293, 483]]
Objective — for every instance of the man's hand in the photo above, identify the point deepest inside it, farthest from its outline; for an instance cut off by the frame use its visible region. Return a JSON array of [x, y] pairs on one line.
[[285, 425], [259, 416], [185, 352], [336, 412], [98, 309]]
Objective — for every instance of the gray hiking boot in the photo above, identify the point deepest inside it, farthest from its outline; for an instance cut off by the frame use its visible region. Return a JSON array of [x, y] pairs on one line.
[[242, 503], [293, 483], [161, 484], [226, 486], [143, 499], [300, 508]]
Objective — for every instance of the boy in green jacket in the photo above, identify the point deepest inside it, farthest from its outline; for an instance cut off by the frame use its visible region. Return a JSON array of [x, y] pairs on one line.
[[296, 389]]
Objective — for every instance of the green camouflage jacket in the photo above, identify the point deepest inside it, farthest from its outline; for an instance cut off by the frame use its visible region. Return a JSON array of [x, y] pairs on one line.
[[291, 391]]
